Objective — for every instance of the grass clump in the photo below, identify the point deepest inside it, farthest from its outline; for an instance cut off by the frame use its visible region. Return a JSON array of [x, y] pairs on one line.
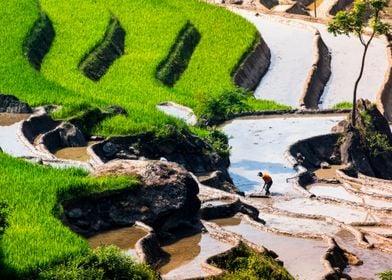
[[35, 238], [39, 40], [95, 64], [245, 263], [343, 105], [387, 275], [104, 263], [171, 69]]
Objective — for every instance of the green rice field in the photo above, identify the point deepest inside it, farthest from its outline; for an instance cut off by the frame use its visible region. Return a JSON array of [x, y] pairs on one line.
[[151, 29]]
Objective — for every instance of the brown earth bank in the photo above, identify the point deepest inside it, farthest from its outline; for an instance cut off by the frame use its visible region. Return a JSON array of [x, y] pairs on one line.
[[186, 149]]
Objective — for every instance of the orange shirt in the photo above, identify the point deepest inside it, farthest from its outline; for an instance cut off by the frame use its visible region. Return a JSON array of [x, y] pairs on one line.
[[266, 177]]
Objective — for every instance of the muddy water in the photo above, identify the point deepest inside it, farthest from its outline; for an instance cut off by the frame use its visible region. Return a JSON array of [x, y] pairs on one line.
[[124, 238], [187, 255], [297, 225], [379, 230], [74, 153], [333, 191], [227, 222], [328, 173], [339, 212], [374, 261], [301, 257], [7, 119]]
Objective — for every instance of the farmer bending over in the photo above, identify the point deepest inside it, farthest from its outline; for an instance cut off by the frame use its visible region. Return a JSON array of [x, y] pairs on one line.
[[267, 182]]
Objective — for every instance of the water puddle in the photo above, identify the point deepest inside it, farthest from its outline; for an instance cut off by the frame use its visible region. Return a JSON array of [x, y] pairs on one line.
[[374, 261], [333, 191], [213, 203], [74, 153], [328, 173], [379, 230], [314, 207], [298, 225], [187, 255], [124, 238], [178, 111], [7, 119], [227, 222], [301, 257]]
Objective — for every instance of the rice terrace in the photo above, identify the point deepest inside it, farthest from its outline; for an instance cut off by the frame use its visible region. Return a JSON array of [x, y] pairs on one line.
[[196, 139]]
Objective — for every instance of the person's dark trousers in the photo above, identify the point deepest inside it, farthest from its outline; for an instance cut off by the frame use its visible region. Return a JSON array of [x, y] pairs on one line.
[[267, 187]]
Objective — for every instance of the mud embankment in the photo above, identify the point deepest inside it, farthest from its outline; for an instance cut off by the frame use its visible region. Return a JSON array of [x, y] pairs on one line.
[[384, 97], [339, 5], [253, 65], [318, 75]]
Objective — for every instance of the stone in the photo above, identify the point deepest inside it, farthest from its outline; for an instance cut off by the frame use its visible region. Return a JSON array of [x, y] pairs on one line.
[[109, 149], [324, 165], [71, 136], [11, 104], [165, 198], [75, 213]]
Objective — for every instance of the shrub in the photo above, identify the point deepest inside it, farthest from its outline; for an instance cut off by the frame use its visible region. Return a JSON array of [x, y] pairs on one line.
[[218, 108]]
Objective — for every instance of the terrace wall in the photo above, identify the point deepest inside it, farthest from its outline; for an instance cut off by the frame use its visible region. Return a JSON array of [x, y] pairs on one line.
[[253, 66]]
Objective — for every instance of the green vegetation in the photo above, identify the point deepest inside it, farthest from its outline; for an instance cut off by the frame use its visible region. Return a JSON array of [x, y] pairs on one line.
[[3, 217], [343, 105], [387, 275], [246, 263], [39, 40], [170, 70], [375, 140], [105, 263], [95, 64], [35, 238], [131, 81], [355, 22], [215, 109]]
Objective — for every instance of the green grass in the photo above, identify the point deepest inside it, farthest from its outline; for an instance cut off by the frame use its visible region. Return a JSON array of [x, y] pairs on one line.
[[35, 237], [343, 105], [131, 80], [247, 264]]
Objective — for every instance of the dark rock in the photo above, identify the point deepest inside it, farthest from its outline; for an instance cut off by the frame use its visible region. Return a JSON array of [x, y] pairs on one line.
[[210, 212], [71, 136], [116, 110], [11, 104], [166, 197], [216, 179], [368, 146], [75, 213], [109, 149], [354, 152], [236, 2], [311, 152]]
